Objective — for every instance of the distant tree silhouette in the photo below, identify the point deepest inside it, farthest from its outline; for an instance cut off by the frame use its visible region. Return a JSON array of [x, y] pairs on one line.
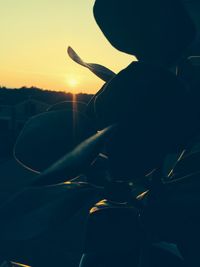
[[13, 96]]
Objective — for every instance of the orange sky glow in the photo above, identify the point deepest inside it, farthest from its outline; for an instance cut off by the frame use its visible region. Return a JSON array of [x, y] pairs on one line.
[[34, 40]]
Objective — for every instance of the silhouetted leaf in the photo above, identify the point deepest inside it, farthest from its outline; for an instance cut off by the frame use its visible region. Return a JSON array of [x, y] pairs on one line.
[[77, 161], [100, 71], [50, 135], [69, 105], [35, 211], [187, 165]]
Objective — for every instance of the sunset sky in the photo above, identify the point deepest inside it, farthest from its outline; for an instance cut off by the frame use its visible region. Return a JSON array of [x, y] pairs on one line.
[[35, 35]]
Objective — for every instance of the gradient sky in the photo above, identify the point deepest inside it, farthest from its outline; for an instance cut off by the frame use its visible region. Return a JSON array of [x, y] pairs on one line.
[[35, 35]]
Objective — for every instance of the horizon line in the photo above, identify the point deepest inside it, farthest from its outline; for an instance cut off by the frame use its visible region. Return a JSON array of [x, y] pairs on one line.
[[43, 89]]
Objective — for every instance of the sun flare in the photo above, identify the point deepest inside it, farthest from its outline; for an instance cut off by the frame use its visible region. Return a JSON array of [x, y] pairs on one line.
[[72, 82]]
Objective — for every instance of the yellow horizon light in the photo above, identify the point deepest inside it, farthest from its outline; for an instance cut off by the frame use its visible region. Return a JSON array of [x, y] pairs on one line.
[[72, 82]]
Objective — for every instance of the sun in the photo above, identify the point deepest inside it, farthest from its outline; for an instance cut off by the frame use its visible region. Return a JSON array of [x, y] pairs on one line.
[[72, 82]]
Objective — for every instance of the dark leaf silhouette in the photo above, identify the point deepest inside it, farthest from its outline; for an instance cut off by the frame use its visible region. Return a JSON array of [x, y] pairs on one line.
[[35, 211], [69, 105], [77, 161], [50, 135], [187, 165]]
